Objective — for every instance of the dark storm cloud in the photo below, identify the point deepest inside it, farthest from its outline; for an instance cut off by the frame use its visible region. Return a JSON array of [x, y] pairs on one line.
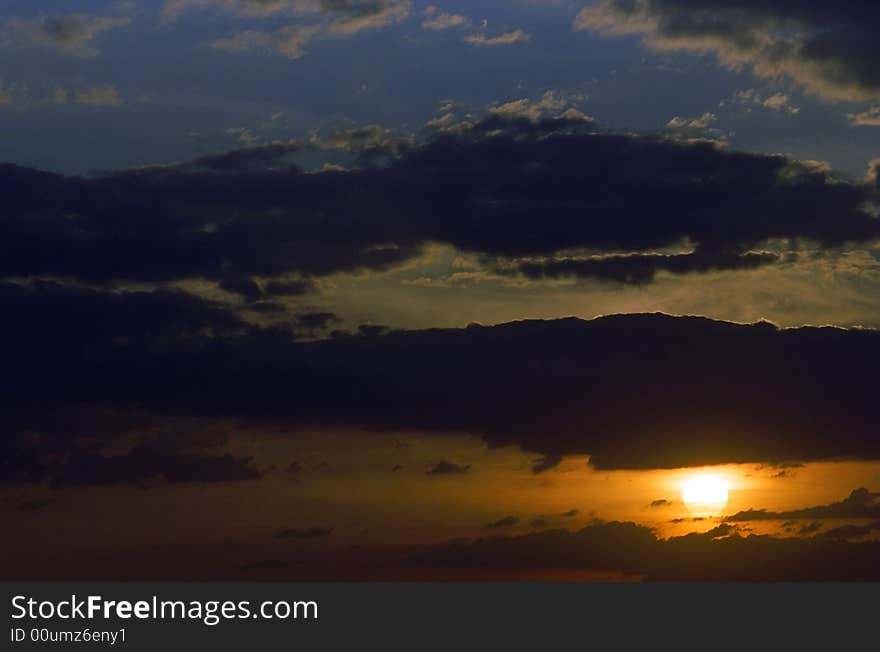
[[507, 521], [62, 315], [641, 269], [719, 555], [851, 531], [830, 48], [447, 468], [513, 191], [633, 391], [861, 503]]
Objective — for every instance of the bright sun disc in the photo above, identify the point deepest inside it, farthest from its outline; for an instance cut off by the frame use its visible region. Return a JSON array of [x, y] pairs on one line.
[[705, 494]]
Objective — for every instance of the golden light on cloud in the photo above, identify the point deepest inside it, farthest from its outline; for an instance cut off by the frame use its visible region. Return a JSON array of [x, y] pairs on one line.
[[705, 494]]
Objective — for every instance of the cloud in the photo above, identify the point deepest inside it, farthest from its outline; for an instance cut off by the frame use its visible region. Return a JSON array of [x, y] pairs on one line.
[[851, 531], [781, 102], [93, 316], [21, 96], [703, 122], [295, 467], [868, 118], [507, 38], [289, 41], [810, 528], [660, 503], [715, 393], [546, 198], [437, 20], [751, 99], [98, 95], [348, 17], [718, 555], [71, 34], [640, 269], [546, 463], [861, 503], [314, 322], [364, 12], [359, 16], [828, 49], [539, 199], [149, 460], [507, 521], [873, 174], [448, 468], [552, 104]]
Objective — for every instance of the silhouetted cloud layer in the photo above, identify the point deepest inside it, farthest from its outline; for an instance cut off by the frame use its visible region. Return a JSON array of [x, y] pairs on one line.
[[861, 503], [634, 391], [717, 555], [828, 47], [522, 194]]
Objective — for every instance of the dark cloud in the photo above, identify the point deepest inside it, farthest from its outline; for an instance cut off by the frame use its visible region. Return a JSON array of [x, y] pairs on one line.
[[295, 467], [511, 190], [660, 503], [372, 330], [146, 462], [78, 445], [73, 316], [288, 288], [634, 391], [851, 531], [507, 521], [545, 463], [539, 521], [720, 554], [314, 321], [570, 513], [309, 533], [641, 269], [828, 48], [861, 503], [446, 468], [810, 528]]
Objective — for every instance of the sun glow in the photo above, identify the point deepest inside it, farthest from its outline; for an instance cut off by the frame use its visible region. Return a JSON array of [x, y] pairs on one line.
[[705, 494]]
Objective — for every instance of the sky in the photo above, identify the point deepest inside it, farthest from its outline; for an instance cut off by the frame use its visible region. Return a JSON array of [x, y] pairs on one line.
[[381, 289]]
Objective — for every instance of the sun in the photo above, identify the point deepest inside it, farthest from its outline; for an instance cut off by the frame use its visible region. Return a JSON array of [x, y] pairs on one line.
[[705, 494]]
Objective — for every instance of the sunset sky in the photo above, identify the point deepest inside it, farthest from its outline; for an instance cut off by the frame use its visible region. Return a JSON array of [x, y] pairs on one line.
[[386, 289]]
